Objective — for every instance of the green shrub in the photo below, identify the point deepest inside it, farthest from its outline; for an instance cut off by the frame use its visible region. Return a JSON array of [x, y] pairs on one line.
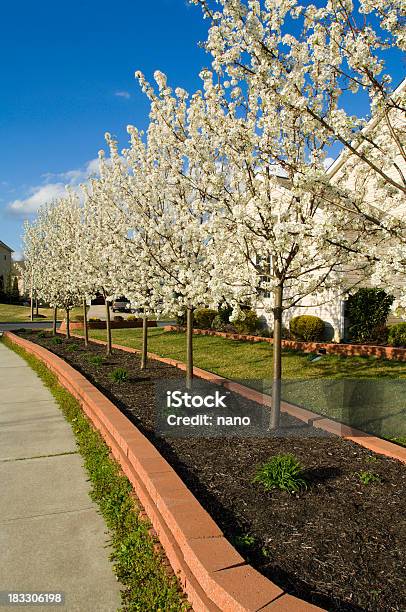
[[264, 332], [95, 359], [397, 335], [79, 318], [244, 541], [119, 375], [224, 313], [367, 311], [118, 318], [132, 318], [94, 319], [217, 323], [203, 318], [42, 334], [247, 322], [368, 477], [56, 340], [72, 347], [307, 328], [281, 472]]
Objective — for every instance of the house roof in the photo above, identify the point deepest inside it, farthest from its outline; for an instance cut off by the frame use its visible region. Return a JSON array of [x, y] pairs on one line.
[[2, 244]]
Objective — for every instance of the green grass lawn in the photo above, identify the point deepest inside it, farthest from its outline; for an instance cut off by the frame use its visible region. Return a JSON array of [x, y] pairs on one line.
[[10, 313], [365, 392]]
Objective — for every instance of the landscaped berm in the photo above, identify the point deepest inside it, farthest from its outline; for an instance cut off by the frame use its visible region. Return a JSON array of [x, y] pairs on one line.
[[322, 517]]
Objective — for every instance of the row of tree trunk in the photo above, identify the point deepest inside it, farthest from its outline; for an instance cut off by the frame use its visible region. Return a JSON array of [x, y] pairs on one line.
[[277, 347]]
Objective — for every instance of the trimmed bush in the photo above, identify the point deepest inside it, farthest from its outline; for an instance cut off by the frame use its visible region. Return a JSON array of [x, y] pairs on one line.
[[118, 318], [203, 318], [94, 319], [367, 312], [219, 325], [132, 318], [247, 323], [397, 335], [79, 318], [307, 328], [224, 313]]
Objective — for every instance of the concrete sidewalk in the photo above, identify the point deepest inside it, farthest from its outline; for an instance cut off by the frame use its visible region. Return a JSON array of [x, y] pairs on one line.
[[51, 537]]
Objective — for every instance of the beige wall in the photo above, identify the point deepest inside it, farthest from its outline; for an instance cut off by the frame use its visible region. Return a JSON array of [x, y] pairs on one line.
[[5, 263]]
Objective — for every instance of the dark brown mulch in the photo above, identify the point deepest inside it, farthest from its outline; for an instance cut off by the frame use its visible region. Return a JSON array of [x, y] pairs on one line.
[[340, 544]]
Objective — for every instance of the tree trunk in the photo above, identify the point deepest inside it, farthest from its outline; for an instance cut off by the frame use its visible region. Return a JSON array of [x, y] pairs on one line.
[[108, 328], [277, 358], [32, 301], [68, 323], [85, 327], [144, 342], [189, 347], [54, 323]]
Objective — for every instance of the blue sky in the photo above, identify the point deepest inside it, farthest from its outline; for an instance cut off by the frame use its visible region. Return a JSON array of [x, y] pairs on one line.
[[63, 67], [67, 72]]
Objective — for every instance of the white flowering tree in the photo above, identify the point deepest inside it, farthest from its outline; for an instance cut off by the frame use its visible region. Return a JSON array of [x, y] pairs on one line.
[[274, 109], [170, 210], [104, 229], [50, 252], [33, 267], [124, 185]]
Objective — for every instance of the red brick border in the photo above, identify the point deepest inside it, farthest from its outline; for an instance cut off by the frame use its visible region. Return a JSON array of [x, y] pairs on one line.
[[213, 574], [331, 348]]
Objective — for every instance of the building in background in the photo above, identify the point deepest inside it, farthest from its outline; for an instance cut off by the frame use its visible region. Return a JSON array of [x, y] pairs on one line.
[[5, 266]]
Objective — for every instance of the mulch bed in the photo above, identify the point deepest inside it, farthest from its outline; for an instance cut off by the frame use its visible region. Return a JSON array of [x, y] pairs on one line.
[[340, 544]]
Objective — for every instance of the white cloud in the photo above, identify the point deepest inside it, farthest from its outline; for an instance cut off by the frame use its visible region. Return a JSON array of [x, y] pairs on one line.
[[123, 94], [76, 176], [54, 186], [92, 167], [38, 196]]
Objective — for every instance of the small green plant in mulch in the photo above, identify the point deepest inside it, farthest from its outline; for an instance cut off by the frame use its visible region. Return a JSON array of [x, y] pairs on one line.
[[244, 541], [139, 567], [119, 375], [283, 472], [96, 360], [43, 334], [367, 477], [56, 340], [371, 459], [72, 347]]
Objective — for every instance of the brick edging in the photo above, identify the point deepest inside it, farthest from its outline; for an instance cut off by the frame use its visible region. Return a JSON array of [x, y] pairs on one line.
[[213, 574], [331, 348]]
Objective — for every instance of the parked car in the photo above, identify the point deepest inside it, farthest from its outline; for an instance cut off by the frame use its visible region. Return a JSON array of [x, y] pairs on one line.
[[121, 304]]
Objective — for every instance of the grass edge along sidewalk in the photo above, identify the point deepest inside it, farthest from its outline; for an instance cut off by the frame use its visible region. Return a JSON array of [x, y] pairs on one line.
[[138, 565]]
